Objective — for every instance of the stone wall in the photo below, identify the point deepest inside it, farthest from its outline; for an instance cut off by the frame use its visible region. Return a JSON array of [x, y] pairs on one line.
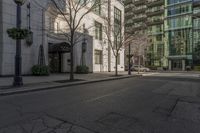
[[29, 53]]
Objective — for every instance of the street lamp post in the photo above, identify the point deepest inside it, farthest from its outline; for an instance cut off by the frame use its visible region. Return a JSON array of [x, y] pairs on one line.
[[129, 59], [84, 47], [18, 59]]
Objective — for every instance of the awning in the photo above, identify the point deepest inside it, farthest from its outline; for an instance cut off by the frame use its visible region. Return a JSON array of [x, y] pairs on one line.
[[62, 47], [180, 57]]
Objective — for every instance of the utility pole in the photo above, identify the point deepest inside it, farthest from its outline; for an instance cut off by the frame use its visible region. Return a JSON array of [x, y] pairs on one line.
[[129, 59], [109, 35]]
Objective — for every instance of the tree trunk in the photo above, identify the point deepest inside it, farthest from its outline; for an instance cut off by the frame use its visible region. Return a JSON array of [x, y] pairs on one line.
[[72, 57], [116, 67], [139, 65], [109, 35], [72, 63]]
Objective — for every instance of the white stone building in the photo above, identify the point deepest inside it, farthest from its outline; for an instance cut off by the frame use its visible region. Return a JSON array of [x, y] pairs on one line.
[[47, 27]]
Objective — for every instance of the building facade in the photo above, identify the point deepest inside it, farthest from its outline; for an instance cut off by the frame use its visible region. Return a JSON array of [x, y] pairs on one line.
[[181, 31], [155, 23], [49, 31], [173, 32], [135, 23]]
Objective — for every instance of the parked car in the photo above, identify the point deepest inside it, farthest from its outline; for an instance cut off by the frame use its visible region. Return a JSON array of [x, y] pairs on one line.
[[142, 68], [126, 67]]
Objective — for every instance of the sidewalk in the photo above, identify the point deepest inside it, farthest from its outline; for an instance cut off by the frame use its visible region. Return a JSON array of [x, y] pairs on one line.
[[36, 83]]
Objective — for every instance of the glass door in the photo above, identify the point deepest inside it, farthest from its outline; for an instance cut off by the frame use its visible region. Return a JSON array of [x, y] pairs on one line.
[[55, 62], [176, 65]]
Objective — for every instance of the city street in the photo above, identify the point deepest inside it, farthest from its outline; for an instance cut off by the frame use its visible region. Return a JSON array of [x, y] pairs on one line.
[[100, 66], [154, 103]]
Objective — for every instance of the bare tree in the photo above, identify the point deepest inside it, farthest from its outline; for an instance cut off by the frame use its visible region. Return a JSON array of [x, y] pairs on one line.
[[116, 38], [139, 42], [73, 13]]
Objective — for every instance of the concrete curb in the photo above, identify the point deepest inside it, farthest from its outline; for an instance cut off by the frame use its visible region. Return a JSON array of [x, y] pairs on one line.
[[19, 90]]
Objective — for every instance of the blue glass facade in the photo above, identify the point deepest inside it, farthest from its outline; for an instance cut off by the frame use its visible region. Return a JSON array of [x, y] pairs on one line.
[[182, 36], [173, 27], [171, 2]]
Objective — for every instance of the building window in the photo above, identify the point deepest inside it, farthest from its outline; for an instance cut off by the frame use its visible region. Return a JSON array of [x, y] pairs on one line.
[[51, 23], [97, 7], [159, 38], [98, 57], [117, 15], [180, 42], [179, 22], [117, 27], [98, 31]]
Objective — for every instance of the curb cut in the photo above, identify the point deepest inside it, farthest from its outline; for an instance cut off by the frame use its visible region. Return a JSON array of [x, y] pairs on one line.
[[22, 91]]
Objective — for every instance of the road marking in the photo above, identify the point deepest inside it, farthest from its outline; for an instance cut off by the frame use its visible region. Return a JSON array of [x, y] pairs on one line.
[[149, 74], [107, 95]]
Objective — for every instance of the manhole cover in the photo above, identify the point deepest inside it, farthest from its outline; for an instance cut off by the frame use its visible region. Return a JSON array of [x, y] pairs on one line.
[[116, 120], [187, 111]]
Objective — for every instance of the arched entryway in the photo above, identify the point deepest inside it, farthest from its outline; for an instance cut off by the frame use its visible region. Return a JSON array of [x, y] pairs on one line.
[[56, 58]]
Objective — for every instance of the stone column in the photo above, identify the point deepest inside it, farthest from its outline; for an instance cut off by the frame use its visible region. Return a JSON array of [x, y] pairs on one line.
[[183, 65], [170, 65]]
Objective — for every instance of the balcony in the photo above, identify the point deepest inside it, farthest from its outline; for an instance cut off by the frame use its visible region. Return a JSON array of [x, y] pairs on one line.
[[152, 3], [139, 19], [126, 2], [129, 16], [196, 15], [137, 28], [140, 2], [155, 22], [178, 2], [154, 13], [128, 9], [141, 10], [196, 3]]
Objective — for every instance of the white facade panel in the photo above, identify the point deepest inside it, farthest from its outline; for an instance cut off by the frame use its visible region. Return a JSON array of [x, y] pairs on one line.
[[40, 21]]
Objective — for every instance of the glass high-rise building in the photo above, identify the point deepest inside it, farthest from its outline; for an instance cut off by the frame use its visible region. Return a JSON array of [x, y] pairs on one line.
[[173, 27], [181, 32], [155, 24]]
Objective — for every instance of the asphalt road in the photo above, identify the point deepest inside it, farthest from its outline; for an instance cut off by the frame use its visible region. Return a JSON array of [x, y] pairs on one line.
[[136, 105]]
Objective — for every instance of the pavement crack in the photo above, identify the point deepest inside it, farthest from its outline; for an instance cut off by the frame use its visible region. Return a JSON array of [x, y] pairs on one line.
[[173, 107], [13, 104], [17, 107], [70, 129], [71, 123], [23, 129]]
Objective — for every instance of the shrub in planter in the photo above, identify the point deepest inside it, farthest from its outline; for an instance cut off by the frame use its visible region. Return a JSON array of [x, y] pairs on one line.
[[165, 68], [197, 68], [188, 68], [82, 69], [40, 70]]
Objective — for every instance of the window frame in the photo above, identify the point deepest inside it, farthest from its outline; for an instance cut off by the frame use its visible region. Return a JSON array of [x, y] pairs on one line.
[[98, 31], [98, 53]]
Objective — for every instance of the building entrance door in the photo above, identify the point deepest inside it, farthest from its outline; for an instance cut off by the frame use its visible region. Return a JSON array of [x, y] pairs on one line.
[[55, 62], [176, 65], [56, 51]]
